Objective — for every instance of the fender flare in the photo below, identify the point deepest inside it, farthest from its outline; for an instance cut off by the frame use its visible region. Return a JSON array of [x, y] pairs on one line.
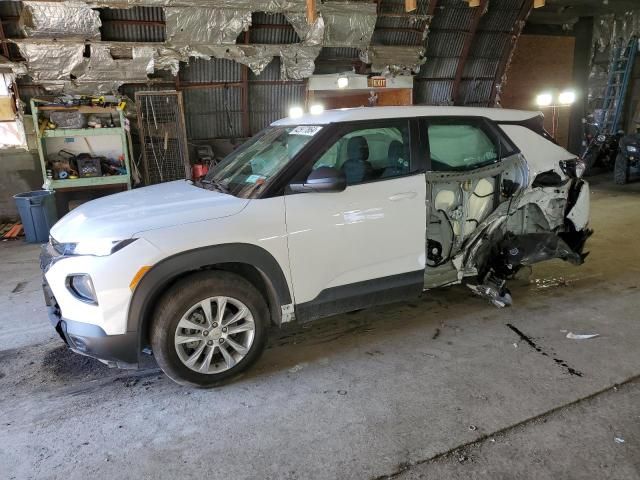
[[165, 271]]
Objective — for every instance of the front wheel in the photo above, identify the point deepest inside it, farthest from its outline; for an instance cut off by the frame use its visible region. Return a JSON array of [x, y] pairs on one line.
[[208, 328], [590, 158], [621, 170]]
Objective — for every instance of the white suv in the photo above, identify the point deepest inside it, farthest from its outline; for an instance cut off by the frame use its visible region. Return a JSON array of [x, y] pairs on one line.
[[312, 217]]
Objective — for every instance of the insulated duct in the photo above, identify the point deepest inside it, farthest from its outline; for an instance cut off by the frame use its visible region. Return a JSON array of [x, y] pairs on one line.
[[67, 19], [394, 60], [200, 25], [51, 61], [309, 34], [348, 24]]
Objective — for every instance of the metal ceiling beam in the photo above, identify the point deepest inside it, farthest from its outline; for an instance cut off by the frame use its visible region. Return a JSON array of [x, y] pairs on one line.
[[466, 49], [516, 30], [312, 11]]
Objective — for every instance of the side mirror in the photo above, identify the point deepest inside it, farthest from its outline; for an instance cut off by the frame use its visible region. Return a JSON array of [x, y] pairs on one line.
[[323, 179]]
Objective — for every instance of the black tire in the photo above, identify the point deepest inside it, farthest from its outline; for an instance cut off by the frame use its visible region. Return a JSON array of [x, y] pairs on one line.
[[590, 159], [179, 298], [621, 170]]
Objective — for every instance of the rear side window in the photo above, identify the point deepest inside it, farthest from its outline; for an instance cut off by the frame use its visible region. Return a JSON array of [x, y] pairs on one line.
[[464, 143], [460, 147]]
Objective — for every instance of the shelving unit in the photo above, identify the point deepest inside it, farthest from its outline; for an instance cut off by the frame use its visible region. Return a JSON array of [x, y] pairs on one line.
[[39, 106]]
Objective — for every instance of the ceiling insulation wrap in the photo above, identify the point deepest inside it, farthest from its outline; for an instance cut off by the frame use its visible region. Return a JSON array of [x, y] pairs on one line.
[[201, 25], [59, 20], [309, 34], [348, 24], [394, 60], [51, 61]]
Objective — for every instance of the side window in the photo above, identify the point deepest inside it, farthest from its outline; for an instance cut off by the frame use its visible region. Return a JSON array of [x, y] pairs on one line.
[[458, 146], [368, 154]]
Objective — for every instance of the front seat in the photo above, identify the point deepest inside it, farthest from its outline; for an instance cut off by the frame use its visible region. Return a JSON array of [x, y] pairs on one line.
[[395, 162], [356, 168]]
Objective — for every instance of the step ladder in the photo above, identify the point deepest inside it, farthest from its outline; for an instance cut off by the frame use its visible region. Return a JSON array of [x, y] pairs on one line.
[[622, 60]]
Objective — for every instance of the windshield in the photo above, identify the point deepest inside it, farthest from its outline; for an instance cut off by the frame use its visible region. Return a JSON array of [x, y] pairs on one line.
[[250, 167]]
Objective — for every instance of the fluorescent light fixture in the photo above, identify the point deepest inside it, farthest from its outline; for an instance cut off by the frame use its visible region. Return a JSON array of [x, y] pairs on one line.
[[343, 82], [316, 109], [296, 112], [567, 97], [544, 99]]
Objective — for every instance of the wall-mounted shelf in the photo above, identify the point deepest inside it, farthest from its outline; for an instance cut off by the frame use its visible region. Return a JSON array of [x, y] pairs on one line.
[[90, 181], [39, 106], [81, 132]]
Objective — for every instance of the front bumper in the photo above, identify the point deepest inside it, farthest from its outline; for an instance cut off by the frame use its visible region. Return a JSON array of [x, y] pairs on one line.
[[96, 330], [91, 340]]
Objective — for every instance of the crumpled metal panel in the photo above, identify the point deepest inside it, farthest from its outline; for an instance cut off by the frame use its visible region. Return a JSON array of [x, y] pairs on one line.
[[201, 25], [67, 19], [51, 61], [309, 34], [394, 60], [348, 23]]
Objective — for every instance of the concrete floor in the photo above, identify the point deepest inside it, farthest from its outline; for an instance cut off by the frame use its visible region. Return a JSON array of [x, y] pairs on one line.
[[438, 388]]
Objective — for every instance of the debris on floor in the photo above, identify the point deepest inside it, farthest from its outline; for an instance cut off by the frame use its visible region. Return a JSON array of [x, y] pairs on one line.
[[298, 367], [11, 231], [498, 295], [618, 440], [577, 336]]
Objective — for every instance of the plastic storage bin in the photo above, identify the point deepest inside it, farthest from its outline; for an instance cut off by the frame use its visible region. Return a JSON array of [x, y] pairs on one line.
[[38, 214]]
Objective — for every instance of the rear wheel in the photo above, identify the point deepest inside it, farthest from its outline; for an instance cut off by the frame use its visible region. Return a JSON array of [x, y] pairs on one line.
[[208, 328], [589, 160], [621, 170]]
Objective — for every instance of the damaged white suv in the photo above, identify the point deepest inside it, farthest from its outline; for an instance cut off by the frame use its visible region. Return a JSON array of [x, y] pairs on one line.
[[312, 217]]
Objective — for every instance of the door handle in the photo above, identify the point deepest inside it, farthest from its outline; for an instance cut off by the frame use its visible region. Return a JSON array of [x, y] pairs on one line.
[[402, 196]]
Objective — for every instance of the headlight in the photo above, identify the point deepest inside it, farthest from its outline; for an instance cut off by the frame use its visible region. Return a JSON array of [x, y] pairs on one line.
[[573, 168], [97, 248], [632, 148], [81, 287]]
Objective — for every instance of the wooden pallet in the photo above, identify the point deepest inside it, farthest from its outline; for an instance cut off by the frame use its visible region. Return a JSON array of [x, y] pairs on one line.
[[11, 231]]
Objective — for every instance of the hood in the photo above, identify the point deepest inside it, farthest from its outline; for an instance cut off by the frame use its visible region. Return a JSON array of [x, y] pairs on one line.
[[124, 214]]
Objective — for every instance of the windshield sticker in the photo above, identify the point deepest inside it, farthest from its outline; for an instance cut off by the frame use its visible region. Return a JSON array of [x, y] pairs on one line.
[[308, 130], [255, 179]]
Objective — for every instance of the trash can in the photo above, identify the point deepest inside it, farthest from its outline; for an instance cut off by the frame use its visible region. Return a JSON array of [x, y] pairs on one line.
[[38, 214]]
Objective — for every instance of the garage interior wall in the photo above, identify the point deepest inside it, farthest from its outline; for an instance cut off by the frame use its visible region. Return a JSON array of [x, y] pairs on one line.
[[458, 54], [541, 63]]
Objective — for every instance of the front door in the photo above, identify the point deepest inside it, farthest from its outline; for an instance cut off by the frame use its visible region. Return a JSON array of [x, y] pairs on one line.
[[366, 244]]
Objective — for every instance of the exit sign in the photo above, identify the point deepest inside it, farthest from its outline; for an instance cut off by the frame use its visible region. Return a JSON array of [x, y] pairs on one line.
[[377, 82]]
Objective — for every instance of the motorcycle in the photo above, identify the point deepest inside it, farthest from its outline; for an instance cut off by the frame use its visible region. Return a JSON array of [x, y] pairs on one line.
[[601, 148], [628, 158]]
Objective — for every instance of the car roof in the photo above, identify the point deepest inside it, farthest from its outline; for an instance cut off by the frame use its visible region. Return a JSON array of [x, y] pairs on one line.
[[374, 113]]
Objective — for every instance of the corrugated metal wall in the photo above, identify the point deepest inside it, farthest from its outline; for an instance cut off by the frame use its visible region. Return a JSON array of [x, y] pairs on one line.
[[137, 24], [490, 46]]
